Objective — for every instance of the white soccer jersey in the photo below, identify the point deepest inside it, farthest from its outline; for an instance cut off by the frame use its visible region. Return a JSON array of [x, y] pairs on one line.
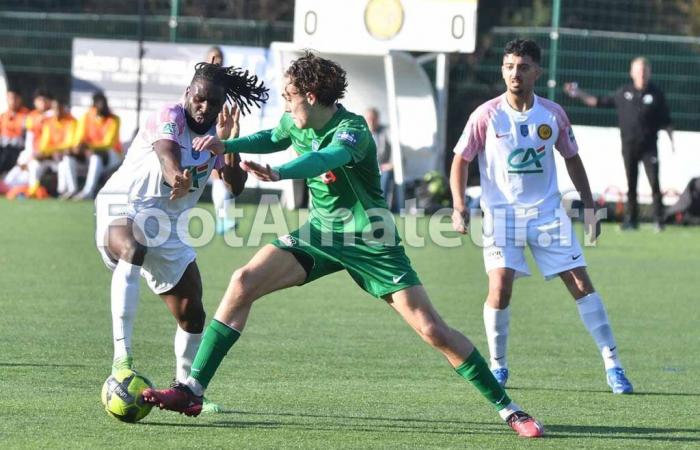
[[141, 177], [516, 154]]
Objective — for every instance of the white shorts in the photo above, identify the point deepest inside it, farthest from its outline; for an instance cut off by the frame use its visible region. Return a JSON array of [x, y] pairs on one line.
[[552, 242], [163, 265]]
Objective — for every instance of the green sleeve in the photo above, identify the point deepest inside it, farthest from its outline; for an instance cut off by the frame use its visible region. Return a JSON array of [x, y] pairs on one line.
[[313, 164], [260, 142]]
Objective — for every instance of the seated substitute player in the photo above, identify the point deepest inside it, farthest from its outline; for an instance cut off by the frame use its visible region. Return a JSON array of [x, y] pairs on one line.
[[339, 162], [56, 140], [96, 137], [514, 136], [162, 172], [19, 174], [12, 130]]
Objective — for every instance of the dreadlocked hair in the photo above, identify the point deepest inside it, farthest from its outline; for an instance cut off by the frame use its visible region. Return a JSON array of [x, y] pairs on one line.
[[242, 88]]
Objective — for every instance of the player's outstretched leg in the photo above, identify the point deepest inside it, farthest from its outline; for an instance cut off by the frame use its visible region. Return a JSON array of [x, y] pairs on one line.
[[415, 307], [270, 269], [595, 319]]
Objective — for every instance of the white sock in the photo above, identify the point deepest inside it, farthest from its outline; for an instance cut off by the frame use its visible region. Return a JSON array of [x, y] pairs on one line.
[[36, 171], [508, 410], [186, 345], [61, 177], [497, 324], [194, 386], [219, 195], [93, 174], [71, 173], [595, 319], [125, 301]]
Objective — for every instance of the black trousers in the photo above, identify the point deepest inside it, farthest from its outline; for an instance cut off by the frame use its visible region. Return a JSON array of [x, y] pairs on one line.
[[648, 156], [8, 157]]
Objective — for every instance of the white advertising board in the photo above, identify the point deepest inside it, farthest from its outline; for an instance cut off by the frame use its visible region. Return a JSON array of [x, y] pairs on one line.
[[378, 26]]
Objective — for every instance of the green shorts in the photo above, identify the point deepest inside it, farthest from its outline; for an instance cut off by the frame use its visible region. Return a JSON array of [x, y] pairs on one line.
[[378, 269]]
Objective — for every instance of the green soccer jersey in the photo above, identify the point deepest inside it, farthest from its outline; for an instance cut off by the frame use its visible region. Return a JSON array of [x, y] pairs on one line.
[[349, 194]]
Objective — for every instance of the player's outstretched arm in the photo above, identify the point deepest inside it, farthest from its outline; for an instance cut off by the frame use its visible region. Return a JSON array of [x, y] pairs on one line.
[[573, 91], [313, 164], [458, 183], [578, 175], [308, 165], [168, 154], [258, 143]]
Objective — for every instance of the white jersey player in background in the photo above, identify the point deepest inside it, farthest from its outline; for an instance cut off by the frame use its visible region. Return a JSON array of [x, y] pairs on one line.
[[163, 177], [514, 136]]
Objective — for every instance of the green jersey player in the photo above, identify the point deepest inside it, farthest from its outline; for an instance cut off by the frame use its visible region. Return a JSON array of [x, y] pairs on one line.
[[349, 229]]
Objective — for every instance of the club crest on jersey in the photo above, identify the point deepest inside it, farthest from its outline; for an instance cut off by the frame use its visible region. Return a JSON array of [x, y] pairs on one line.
[[347, 137], [315, 144], [526, 160], [544, 131], [169, 128]]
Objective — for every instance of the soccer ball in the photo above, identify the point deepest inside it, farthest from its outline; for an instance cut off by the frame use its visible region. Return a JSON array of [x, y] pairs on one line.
[[121, 396]]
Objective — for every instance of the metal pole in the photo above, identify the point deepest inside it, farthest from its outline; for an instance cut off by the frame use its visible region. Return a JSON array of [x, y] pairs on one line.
[[174, 7], [442, 81], [553, 49], [394, 132], [139, 84]]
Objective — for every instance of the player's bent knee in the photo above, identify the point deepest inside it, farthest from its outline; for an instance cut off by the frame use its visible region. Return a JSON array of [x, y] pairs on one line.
[[499, 297], [434, 333], [132, 252], [578, 283], [242, 285]]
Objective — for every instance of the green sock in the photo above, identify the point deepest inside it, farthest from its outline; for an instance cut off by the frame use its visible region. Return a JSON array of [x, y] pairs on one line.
[[475, 370], [216, 342]]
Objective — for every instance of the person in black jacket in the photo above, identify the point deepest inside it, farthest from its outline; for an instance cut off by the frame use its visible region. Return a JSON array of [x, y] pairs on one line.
[[642, 111]]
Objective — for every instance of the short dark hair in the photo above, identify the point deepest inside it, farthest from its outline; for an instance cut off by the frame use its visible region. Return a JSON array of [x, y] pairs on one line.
[[523, 47], [241, 88], [215, 49], [322, 77], [100, 96], [43, 92]]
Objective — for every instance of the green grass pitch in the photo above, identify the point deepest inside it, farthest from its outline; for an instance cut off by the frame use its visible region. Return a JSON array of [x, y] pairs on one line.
[[326, 366]]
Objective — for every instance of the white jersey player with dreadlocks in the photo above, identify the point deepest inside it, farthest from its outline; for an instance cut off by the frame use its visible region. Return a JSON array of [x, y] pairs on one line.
[[162, 178]]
